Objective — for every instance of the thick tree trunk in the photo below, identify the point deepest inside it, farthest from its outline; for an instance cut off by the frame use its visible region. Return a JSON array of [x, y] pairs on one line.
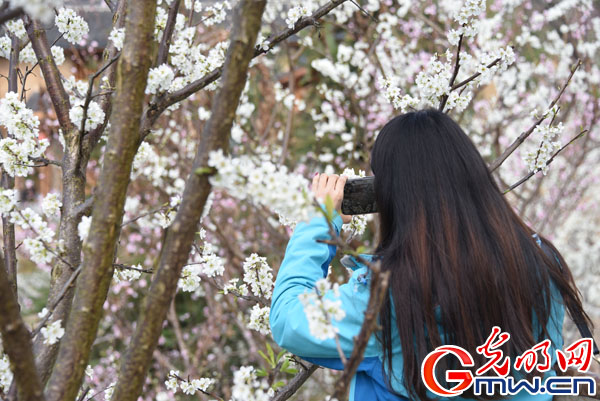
[[181, 233], [93, 283], [16, 342], [73, 194]]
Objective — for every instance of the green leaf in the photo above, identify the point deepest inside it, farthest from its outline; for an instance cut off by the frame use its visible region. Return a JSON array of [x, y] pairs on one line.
[[280, 355], [278, 384], [329, 206], [271, 354], [291, 371], [266, 358], [204, 170], [261, 372]]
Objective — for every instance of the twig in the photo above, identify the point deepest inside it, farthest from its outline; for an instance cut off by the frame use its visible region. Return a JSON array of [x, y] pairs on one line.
[[528, 176], [145, 214], [165, 43], [60, 296], [137, 269], [165, 101], [472, 77], [88, 96], [513, 146], [454, 74], [295, 383]]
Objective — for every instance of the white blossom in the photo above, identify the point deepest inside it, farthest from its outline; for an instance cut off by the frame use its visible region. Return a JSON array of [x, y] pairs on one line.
[[159, 79], [52, 332], [117, 36], [259, 319], [257, 274], [58, 53], [51, 204], [71, 25], [6, 375], [95, 114], [83, 228], [321, 311]]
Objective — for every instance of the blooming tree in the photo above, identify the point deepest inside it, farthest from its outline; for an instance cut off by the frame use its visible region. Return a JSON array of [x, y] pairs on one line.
[[184, 155]]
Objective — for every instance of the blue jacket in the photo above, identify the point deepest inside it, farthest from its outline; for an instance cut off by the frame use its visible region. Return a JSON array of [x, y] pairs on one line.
[[307, 261]]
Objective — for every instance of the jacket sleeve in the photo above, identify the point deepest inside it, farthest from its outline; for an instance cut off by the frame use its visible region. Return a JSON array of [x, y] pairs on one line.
[[305, 262]]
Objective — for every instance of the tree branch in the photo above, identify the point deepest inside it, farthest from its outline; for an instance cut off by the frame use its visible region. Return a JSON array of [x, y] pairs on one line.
[[454, 74], [165, 44], [109, 199], [528, 176], [9, 14], [297, 381], [155, 110], [246, 24], [54, 85], [17, 343], [513, 146]]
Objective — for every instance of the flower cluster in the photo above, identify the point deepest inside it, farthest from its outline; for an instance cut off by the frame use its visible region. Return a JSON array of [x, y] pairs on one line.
[[208, 264], [159, 79], [190, 387], [117, 36], [124, 274], [259, 319], [246, 386], [231, 287], [22, 142], [37, 247], [71, 25], [17, 28], [6, 375], [95, 114], [51, 204], [52, 332], [261, 182], [295, 13], [467, 18], [538, 159], [257, 274], [320, 309], [216, 13]]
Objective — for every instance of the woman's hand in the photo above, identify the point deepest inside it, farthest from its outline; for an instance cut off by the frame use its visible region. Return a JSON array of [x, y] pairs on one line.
[[333, 185]]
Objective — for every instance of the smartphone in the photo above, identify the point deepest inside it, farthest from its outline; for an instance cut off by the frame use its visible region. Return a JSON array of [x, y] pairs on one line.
[[359, 196]]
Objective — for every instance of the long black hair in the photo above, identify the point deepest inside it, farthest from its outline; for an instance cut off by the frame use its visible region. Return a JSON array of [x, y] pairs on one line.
[[451, 239]]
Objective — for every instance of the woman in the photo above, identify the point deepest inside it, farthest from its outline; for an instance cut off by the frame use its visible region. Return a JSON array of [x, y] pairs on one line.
[[460, 258]]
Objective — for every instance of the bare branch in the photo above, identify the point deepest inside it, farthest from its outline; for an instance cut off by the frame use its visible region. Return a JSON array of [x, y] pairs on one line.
[[513, 146], [54, 85], [295, 383], [55, 303], [9, 14], [165, 44], [528, 176], [454, 74]]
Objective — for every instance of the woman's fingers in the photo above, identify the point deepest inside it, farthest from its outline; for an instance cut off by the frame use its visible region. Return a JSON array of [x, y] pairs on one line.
[[331, 180], [315, 183], [339, 185]]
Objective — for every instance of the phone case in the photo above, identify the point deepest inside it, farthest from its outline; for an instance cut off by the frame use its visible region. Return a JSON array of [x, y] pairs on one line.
[[359, 196]]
